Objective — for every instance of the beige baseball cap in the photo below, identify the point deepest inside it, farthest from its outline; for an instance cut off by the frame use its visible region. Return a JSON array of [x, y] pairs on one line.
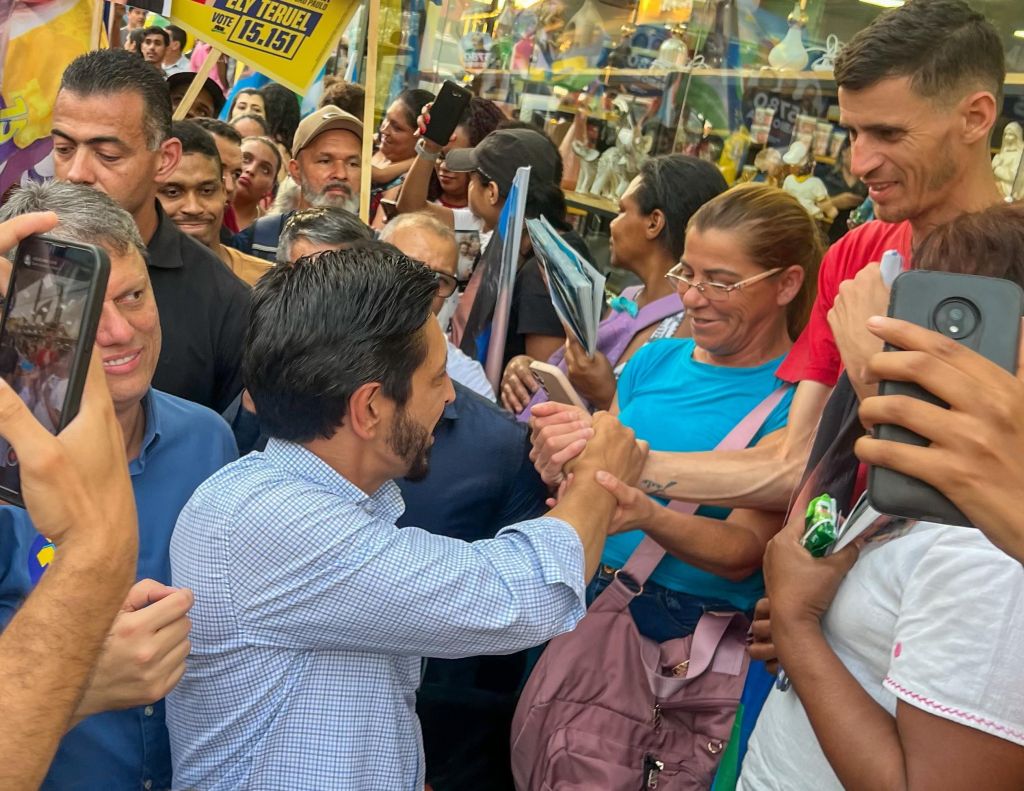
[[324, 119]]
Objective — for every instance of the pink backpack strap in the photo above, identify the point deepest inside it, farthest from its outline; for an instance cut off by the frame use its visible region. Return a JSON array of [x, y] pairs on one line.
[[649, 553], [707, 649]]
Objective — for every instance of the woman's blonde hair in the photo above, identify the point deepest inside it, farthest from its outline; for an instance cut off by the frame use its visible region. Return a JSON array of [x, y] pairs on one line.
[[776, 231]]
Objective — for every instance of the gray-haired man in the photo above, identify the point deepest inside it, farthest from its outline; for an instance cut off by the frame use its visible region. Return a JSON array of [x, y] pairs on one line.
[[423, 237], [172, 445], [327, 161], [311, 231]]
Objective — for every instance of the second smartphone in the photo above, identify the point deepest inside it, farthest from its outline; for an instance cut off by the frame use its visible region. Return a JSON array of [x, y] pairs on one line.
[[982, 313], [445, 112], [53, 306]]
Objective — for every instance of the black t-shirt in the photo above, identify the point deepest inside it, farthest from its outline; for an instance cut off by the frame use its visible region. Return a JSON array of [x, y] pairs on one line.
[[203, 315]]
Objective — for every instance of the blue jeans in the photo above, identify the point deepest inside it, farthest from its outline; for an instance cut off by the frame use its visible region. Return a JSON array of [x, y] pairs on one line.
[[660, 613]]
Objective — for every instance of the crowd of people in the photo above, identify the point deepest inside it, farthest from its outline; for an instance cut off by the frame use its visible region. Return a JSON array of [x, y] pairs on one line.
[[296, 538]]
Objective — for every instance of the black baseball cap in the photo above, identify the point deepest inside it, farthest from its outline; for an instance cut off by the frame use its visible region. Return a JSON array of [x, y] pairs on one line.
[[212, 88], [503, 152]]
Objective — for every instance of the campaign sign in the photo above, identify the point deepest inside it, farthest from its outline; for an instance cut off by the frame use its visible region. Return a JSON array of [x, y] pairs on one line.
[[287, 41]]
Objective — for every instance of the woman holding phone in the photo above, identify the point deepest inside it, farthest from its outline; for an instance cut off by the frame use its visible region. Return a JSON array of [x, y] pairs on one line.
[[430, 186], [396, 148]]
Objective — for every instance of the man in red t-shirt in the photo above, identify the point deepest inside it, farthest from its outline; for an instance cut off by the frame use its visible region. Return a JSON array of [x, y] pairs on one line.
[[815, 356], [920, 123]]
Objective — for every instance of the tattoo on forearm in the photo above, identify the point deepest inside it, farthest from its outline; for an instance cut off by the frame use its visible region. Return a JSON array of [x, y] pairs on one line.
[[655, 488]]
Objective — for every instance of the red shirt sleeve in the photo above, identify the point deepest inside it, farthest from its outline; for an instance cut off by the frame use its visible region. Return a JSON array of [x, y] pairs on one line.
[[815, 355]]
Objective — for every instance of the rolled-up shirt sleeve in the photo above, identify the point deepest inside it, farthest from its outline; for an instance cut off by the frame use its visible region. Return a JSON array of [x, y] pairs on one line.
[[358, 583]]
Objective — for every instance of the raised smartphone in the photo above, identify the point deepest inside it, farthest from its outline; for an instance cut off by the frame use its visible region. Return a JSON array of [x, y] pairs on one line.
[[556, 384], [53, 304], [451, 102], [982, 313]]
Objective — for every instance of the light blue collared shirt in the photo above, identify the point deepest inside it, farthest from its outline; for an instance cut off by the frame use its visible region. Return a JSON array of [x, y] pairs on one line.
[[468, 372], [312, 614]]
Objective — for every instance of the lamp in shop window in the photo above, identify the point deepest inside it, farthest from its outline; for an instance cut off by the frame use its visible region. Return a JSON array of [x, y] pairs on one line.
[[716, 45], [790, 53], [673, 53]]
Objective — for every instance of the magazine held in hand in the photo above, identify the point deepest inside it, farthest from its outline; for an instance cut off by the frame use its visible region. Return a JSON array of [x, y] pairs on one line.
[[576, 287]]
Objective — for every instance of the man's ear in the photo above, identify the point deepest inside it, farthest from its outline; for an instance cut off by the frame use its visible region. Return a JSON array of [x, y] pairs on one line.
[[366, 410], [979, 113], [493, 194], [293, 170], [170, 158]]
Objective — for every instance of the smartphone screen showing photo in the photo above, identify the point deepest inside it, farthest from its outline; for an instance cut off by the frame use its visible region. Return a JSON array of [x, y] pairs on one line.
[[47, 303]]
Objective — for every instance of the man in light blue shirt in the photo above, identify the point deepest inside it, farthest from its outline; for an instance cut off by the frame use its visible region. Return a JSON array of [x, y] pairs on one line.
[[175, 59], [119, 740], [313, 609]]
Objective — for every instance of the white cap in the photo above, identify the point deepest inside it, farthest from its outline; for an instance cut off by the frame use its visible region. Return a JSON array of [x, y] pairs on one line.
[[797, 154]]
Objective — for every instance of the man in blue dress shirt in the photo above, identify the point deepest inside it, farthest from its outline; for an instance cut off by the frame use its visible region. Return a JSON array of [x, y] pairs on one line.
[[313, 609], [481, 479], [120, 741]]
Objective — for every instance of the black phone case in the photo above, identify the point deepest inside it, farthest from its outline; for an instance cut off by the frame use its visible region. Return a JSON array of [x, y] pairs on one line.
[[916, 296], [445, 112], [86, 335]]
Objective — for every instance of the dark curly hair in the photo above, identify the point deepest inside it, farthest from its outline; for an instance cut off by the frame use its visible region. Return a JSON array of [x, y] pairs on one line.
[[345, 95], [481, 117], [283, 113]]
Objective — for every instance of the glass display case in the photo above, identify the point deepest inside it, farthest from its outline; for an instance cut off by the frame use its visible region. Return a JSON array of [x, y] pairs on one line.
[[737, 82], [687, 74]]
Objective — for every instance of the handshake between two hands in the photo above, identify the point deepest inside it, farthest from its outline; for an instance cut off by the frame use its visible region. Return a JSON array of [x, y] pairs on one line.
[[567, 442]]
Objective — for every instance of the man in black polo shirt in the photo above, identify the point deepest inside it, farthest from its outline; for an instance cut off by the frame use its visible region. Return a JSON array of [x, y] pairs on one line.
[[111, 131]]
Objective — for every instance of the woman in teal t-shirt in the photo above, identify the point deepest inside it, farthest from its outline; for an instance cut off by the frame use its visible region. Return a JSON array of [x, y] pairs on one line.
[[746, 279]]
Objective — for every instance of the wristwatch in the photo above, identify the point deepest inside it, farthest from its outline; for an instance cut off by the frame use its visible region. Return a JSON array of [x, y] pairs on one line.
[[421, 151]]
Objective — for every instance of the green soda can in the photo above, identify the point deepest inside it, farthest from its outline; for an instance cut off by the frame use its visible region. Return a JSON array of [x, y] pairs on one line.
[[821, 525]]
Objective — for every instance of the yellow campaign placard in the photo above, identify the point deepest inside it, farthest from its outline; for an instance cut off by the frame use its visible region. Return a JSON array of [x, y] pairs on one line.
[[37, 42], [287, 40]]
